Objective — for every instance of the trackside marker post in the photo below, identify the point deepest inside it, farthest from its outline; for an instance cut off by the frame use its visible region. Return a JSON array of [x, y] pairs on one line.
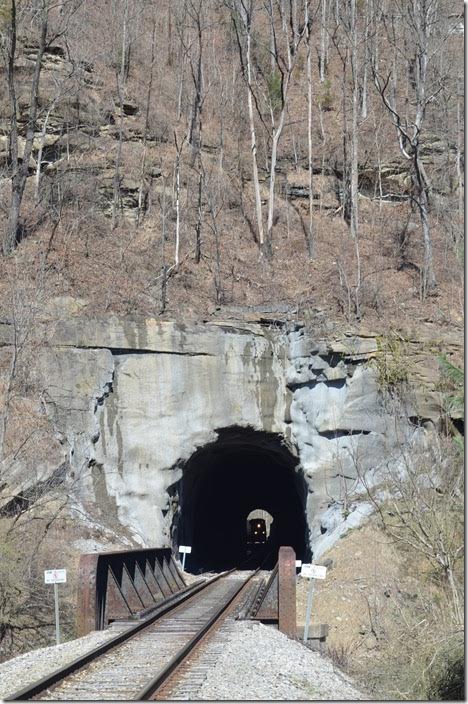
[[184, 549], [311, 572], [56, 577]]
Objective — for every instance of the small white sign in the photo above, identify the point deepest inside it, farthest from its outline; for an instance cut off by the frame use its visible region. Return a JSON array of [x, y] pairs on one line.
[[185, 548], [313, 571], [55, 576], [298, 563]]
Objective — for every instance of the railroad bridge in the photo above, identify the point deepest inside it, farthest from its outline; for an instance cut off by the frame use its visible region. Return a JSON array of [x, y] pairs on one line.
[[162, 633]]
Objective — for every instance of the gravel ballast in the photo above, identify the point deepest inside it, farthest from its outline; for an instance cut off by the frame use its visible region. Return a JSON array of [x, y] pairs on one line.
[[29, 667], [248, 661], [259, 662]]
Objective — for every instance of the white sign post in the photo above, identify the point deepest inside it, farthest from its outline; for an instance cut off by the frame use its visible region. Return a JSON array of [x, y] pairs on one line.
[[311, 572], [56, 577], [184, 549]]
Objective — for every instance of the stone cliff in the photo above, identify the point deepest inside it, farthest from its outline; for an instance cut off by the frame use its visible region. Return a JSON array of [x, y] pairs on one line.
[[131, 401]]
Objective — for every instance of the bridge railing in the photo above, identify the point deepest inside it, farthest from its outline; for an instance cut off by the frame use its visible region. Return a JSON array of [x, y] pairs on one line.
[[275, 601], [123, 585]]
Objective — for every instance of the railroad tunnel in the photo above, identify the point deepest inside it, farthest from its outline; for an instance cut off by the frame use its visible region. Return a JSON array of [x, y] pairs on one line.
[[243, 471]]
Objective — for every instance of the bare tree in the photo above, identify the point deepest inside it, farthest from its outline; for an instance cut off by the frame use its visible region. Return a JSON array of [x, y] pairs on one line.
[[65, 83], [347, 22], [121, 78], [354, 152], [163, 277], [50, 23], [323, 57], [147, 117], [20, 167], [268, 89], [195, 12], [286, 53], [242, 14], [179, 146], [424, 507], [418, 22], [308, 28], [215, 201]]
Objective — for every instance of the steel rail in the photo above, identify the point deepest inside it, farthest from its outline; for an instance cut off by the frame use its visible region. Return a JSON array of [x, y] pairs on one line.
[[162, 676], [60, 674]]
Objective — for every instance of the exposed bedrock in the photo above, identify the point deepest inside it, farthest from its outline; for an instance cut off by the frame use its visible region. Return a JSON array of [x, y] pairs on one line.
[[154, 417]]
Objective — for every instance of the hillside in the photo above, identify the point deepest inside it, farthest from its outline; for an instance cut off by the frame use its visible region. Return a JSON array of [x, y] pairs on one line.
[[131, 151]]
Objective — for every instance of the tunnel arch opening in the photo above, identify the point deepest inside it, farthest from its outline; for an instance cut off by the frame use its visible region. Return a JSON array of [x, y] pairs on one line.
[[259, 514], [243, 470]]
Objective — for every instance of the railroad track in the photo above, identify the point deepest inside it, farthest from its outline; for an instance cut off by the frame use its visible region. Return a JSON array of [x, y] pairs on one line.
[[138, 663]]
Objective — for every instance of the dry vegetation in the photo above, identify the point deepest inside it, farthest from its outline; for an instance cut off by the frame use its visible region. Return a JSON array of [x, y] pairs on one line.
[[125, 89], [395, 620], [390, 622]]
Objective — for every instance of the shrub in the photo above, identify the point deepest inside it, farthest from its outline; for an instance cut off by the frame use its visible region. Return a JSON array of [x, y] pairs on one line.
[[325, 99], [447, 672], [391, 362], [275, 90]]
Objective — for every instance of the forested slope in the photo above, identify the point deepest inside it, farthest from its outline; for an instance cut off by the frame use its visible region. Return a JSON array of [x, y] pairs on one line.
[[185, 156]]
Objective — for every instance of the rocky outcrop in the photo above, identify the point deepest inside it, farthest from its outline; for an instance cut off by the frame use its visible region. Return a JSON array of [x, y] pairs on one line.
[[132, 400]]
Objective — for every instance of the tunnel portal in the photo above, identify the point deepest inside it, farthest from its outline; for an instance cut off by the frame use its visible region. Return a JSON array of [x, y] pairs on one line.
[[223, 483]]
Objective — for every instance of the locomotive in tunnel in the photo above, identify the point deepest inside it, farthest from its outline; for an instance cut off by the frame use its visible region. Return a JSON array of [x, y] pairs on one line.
[[256, 530]]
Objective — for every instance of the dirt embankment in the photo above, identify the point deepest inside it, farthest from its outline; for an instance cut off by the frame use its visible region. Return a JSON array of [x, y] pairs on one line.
[[388, 616]]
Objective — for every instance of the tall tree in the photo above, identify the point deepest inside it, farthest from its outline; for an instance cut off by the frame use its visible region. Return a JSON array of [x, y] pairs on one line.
[[20, 166], [418, 22], [121, 73], [141, 190], [242, 15], [49, 23], [308, 29], [287, 40], [268, 90], [346, 42], [323, 57]]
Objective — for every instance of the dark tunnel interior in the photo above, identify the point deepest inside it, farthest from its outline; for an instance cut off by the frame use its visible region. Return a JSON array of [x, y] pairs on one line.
[[222, 483]]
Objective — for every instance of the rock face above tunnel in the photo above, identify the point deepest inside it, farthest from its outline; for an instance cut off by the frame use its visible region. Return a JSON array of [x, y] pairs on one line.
[[133, 400]]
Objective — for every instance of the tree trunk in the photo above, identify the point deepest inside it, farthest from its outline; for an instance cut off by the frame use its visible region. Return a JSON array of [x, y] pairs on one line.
[[121, 79], [271, 195], [163, 251], [310, 238], [354, 126], [354, 158], [346, 184], [39, 154], [199, 213], [7, 395], [429, 281], [20, 170], [177, 199], [147, 113], [323, 40], [197, 78], [453, 588], [253, 142], [219, 292], [366, 56], [284, 68], [458, 164]]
